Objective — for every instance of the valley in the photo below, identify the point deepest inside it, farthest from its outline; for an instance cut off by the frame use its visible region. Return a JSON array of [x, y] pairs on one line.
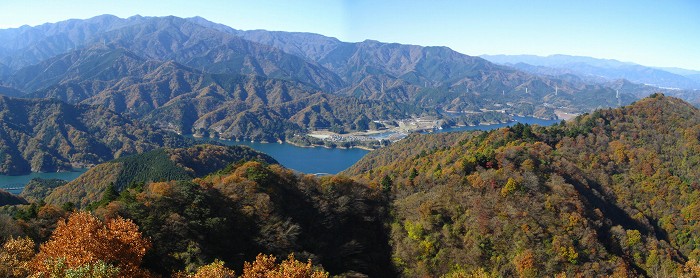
[[176, 146], [549, 188]]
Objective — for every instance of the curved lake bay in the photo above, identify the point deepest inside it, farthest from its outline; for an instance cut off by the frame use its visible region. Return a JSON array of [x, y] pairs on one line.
[[316, 160]]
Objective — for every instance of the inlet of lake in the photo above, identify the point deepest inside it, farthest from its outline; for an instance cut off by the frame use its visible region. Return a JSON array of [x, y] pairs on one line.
[[307, 160]]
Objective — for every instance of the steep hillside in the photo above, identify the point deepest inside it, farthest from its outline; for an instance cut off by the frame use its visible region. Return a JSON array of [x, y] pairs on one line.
[[156, 165], [256, 208], [229, 217], [4, 71], [48, 135], [10, 92], [85, 72], [37, 189], [614, 192]]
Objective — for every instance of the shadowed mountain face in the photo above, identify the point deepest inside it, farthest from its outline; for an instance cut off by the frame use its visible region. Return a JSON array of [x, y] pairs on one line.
[[7, 198]]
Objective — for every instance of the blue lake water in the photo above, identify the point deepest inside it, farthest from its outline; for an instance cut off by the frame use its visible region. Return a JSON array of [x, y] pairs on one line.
[[17, 182], [307, 160], [331, 161]]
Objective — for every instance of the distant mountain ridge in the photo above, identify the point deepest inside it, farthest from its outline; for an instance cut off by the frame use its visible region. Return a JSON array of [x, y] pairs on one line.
[[594, 68], [132, 70]]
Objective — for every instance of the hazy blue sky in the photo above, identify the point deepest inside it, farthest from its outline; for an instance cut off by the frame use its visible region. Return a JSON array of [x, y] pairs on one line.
[[653, 33]]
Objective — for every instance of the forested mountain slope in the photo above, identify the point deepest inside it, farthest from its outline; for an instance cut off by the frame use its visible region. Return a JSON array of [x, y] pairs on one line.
[[42, 135], [7, 198], [157, 165], [611, 192], [233, 215]]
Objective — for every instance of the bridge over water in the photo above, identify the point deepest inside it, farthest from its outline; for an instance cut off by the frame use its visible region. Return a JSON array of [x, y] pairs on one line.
[[14, 188]]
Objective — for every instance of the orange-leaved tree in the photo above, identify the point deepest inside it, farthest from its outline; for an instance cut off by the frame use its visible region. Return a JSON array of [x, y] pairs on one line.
[[85, 241]]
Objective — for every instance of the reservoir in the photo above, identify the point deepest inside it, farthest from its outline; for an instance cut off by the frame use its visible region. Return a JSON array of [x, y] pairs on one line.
[[16, 183], [316, 160]]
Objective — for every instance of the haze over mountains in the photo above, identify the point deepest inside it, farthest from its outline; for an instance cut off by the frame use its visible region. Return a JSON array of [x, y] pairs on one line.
[[600, 69]]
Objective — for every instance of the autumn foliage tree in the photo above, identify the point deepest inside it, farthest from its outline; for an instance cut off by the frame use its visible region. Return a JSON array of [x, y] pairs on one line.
[[85, 241], [265, 266], [212, 270], [15, 257]]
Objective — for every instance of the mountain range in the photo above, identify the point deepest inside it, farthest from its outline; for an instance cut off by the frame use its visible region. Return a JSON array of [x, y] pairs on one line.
[[191, 75], [613, 192]]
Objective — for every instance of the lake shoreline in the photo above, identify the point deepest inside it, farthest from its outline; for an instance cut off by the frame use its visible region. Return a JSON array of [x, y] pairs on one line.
[[199, 137], [327, 147], [305, 159]]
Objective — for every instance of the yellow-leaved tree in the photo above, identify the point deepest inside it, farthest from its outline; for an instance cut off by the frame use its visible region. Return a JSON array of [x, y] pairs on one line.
[[265, 266], [15, 256]]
